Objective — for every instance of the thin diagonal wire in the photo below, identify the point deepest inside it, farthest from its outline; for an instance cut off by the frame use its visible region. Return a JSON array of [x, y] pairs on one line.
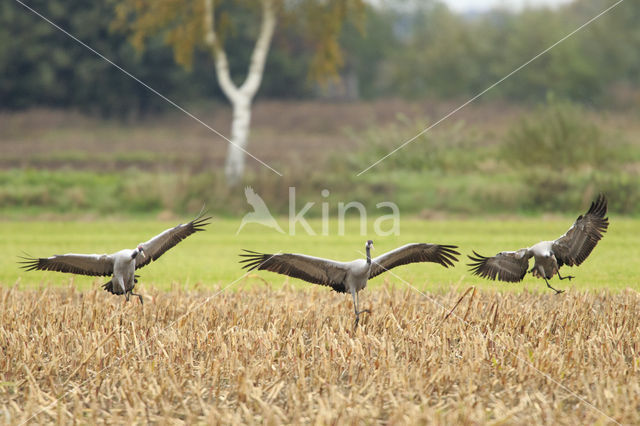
[[492, 86], [151, 89], [142, 343], [435, 302]]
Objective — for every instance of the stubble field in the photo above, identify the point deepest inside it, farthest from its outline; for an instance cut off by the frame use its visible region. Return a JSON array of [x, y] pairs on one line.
[[213, 345], [265, 355]]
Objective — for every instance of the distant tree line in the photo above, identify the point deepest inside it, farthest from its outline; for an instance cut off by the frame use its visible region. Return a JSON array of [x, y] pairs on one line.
[[427, 52], [446, 55]]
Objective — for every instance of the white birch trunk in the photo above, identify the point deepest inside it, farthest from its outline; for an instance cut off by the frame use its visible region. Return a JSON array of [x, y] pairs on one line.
[[240, 97], [234, 165]]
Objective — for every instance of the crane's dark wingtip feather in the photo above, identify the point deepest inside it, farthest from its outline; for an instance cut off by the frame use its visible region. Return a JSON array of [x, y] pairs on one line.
[[199, 223], [599, 206], [253, 265], [478, 258], [449, 249], [482, 267], [252, 255], [249, 251], [29, 263], [448, 257], [29, 267], [27, 256], [249, 266], [253, 260], [449, 254], [477, 263]]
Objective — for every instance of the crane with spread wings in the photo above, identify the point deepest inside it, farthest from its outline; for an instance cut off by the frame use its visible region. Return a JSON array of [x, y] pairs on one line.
[[121, 266], [571, 249], [348, 277]]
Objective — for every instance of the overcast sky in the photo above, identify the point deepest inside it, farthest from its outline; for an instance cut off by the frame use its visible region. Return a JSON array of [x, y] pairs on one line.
[[481, 5]]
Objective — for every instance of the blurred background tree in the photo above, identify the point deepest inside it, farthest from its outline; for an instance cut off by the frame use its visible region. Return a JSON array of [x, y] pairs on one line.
[[208, 24], [411, 62], [40, 66], [423, 52]]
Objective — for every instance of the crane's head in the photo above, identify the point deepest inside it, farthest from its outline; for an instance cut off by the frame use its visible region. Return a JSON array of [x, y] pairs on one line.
[[139, 249], [369, 245]]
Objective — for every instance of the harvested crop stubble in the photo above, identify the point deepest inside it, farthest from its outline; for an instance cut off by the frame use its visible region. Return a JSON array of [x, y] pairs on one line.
[[265, 355]]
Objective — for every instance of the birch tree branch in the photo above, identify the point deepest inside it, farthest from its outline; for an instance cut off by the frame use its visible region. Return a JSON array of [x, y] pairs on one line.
[[219, 55], [261, 49]]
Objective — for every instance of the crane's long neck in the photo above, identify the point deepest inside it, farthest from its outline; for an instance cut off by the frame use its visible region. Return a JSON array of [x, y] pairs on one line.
[[368, 255]]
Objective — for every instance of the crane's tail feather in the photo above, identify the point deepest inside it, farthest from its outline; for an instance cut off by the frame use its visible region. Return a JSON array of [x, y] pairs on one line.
[[110, 288]]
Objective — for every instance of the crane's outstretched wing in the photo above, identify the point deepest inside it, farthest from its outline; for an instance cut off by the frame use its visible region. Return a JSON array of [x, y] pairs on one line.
[[510, 266], [308, 268], [578, 242], [82, 264], [413, 253], [158, 245]]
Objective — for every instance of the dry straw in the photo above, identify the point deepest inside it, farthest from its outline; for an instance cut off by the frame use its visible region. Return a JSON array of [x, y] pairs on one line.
[[263, 355]]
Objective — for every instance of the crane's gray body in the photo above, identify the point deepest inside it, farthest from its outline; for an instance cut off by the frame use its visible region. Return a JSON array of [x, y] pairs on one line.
[[546, 264], [124, 269], [357, 275]]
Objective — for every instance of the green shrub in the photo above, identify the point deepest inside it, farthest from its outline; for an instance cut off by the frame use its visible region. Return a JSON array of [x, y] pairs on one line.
[[445, 150], [558, 135]]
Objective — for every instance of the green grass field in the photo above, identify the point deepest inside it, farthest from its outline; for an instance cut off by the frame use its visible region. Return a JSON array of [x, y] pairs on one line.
[[210, 259]]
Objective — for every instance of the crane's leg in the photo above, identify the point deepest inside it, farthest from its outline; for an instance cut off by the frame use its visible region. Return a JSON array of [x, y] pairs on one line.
[[355, 308], [364, 310], [549, 285], [568, 277], [139, 297], [354, 294]]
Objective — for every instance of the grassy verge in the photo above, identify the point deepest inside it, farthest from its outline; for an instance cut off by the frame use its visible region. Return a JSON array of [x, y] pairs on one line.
[[210, 258], [33, 193], [555, 158]]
